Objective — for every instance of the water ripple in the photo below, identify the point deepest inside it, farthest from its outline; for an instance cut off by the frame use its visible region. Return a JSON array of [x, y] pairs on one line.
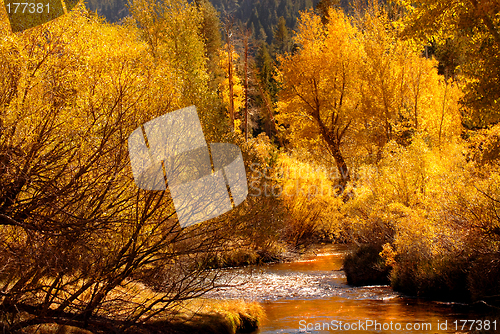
[[278, 285]]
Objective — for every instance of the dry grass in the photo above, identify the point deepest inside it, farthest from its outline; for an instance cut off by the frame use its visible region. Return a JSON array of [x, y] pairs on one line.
[[55, 329], [198, 315], [219, 316]]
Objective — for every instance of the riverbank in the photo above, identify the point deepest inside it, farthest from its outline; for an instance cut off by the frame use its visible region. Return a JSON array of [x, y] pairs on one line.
[[197, 316], [465, 278], [211, 316], [277, 252]]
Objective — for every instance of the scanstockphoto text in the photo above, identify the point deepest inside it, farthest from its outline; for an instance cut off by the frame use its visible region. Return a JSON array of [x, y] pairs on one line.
[[485, 325]]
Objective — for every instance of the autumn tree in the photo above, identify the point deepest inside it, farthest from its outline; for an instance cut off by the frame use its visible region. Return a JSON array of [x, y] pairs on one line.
[[181, 34], [173, 32], [211, 34], [356, 87], [320, 99], [402, 93], [472, 27], [231, 88]]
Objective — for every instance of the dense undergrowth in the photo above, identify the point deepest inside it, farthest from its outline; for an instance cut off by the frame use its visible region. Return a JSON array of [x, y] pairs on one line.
[[432, 218]]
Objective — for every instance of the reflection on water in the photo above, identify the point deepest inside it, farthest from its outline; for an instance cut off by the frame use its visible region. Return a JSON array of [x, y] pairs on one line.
[[300, 296], [294, 316]]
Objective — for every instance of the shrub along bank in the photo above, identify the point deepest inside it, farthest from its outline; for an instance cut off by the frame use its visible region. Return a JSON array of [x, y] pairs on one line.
[[430, 220]]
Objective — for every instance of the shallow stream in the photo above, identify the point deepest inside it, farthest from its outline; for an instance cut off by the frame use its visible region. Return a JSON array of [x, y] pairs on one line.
[[312, 296]]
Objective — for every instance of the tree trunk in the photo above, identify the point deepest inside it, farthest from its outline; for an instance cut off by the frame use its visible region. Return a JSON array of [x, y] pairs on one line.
[[231, 92], [334, 146], [341, 167], [333, 142], [228, 27], [246, 87]]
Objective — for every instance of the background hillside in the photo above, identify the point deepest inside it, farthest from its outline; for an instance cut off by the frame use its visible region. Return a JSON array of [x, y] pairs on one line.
[[260, 16], [112, 10]]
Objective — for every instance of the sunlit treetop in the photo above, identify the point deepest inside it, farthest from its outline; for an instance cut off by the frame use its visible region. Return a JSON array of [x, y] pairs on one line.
[[469, 30]]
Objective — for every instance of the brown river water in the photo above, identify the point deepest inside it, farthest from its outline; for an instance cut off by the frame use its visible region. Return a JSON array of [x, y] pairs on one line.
[[312, 296]]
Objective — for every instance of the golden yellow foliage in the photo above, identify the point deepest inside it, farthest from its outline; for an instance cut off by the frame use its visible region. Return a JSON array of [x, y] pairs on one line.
[[311, 198], [468, 32], [238, 93], [351, 89]]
